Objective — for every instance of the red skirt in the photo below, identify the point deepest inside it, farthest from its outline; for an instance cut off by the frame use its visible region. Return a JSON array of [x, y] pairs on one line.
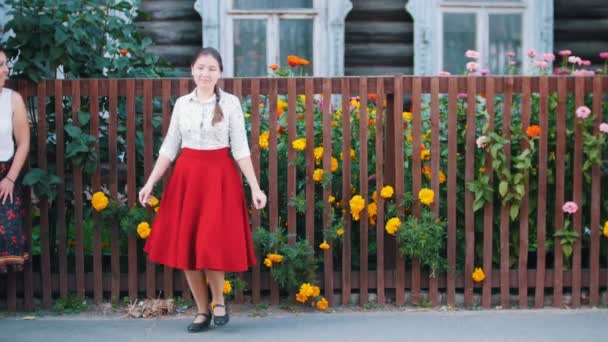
[[203, 220]]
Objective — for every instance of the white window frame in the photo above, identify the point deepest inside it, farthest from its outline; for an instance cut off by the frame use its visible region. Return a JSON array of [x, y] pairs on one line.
[[537, 29], [328, 31]]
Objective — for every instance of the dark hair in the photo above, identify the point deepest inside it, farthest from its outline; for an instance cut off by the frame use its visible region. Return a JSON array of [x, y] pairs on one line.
[[218, 115]]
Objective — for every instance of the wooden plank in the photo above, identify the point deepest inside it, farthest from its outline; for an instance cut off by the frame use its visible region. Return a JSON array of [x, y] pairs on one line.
[[379, 184], [237, 90], [416, 174], [273, 175], [78, 202], [596, 186], [577, 218], [399, 180], [45, 255], [292, 135], [488, 210], [346, 191], [541, 207], [328, 288], [363, 189], [469, 214], [524, 208], [184, 88], [435, 170], [255, 158], [560, 172], [113, 177], [504, 212], [26, 89], [452, 190], [148, 165], [168, 274], [310, 162], [60, 200], [131, 185], [96, 186]]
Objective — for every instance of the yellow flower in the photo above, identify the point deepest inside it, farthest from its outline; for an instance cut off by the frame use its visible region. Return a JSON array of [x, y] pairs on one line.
[[392, 225], [410, 138], [143, 230], [156, 210], [268, 262], [407, 116], [340, 231], [355, 103], [264, 140], [274, 257], [426, 135], [317, 176], [318, 154], [281, 106], [301, 298], [387, 192], [247, 115], [306, 289], [99, 201], [482, 169], [324, 245], [605, 231], [425, 155], [442, 177], [426, 196], [334, 164], [153, 201], [227, 287], [302, 97], [331, 199], [316, 291], [375, 196], [372, 211], [357, 203], [335, 123], [478, 275], [322, 304], [299, 144]]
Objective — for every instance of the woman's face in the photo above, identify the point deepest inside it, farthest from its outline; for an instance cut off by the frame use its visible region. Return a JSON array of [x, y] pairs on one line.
[[3, 69], [206, 71]]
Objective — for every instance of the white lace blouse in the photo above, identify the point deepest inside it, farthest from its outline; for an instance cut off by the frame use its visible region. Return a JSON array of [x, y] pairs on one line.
[[191, 126]]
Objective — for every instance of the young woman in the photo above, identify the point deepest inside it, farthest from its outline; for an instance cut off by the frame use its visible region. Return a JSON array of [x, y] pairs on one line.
[[14, 147], [202, 225]]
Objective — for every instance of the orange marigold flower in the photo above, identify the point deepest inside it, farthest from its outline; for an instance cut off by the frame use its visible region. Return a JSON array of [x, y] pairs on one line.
[[273, 67], [533, 131], [123, 52]]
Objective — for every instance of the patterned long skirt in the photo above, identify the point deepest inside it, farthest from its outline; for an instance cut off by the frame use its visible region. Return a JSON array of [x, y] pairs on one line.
[[12, 236]]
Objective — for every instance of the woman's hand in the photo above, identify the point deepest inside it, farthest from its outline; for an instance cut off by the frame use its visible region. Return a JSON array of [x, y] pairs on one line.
[[144, 194], [6, 190], [259, 199]]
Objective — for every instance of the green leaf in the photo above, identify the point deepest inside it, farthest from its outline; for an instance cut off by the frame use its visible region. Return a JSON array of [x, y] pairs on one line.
[[514, 211], [503, 187]]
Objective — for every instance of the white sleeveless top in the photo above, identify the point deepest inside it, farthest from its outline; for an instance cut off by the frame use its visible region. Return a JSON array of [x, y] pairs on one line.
[[7, 145]]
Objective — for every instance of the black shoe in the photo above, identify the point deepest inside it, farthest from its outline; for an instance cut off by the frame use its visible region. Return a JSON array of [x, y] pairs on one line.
[[204, 325], [221, 320]]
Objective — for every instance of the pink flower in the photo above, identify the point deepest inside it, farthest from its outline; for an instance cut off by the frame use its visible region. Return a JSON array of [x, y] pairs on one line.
[[484, 72], [565, 53], [574, 59], [531, 53], [472, 54], [444, 73], [604, 55], [585, 62], [462, 95], [472, 66], [583, 72], [583, 112], [541, 64], [512, 63], [511, 54], [482, 141], [548, 57], [604, 127], [570, 207]]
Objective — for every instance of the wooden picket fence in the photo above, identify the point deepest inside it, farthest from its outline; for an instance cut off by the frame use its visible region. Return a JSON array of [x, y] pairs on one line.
[[69, 274]]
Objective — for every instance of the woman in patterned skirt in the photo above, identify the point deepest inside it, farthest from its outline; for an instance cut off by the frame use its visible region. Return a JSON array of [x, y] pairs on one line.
[[14, 130]]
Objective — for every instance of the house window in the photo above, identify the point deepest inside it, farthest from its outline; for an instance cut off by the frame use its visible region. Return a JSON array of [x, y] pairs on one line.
[[253, 34], [445, 29]]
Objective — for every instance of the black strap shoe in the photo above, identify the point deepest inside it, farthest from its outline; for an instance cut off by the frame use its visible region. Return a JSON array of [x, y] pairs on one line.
[[221, 320], [204, 325]]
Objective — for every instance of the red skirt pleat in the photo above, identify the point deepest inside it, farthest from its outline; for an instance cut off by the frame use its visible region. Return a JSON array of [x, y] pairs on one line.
[[203, 220]]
